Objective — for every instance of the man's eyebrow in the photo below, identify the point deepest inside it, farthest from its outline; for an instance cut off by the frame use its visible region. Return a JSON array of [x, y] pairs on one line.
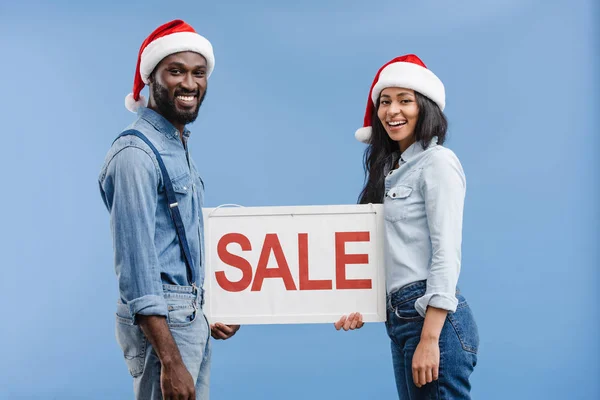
[[182, 65]]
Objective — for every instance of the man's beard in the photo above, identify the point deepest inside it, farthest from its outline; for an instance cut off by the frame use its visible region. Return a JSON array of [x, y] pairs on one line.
[[166, 104]]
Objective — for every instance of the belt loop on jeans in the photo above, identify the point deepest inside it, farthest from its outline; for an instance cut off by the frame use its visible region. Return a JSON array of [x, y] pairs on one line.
[[199, 293]]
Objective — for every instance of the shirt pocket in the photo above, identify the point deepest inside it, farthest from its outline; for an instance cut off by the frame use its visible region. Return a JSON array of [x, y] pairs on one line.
[[189, 202], [182, 185], [396, 201]]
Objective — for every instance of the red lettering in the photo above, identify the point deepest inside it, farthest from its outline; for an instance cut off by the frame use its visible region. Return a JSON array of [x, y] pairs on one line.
[[235, 261], [342, 259], [305, 282], [282, 271]]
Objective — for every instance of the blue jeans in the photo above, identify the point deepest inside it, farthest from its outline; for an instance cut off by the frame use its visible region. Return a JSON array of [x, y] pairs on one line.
[[459, 342], [190, 331]]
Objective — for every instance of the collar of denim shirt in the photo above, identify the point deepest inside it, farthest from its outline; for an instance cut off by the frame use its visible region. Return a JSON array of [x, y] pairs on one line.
[[160, 123], [415, 149]]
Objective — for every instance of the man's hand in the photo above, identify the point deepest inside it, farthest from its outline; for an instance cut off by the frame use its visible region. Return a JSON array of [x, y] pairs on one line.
[[353, 321], [222, 331], [176, 382]]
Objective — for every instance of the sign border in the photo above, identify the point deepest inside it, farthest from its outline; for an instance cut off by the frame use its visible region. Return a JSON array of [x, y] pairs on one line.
[[233, 210]]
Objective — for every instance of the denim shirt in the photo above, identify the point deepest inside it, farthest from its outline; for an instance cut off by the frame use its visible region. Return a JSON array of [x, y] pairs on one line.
[[423, 212], [146, 249]]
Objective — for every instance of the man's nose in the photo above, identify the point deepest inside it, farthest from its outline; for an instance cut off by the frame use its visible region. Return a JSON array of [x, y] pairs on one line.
[[188, 82]]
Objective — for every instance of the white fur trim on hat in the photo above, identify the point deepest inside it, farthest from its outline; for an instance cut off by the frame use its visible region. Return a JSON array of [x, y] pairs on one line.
[[133, 105], [363, 134], [164, 46], [411, 76]]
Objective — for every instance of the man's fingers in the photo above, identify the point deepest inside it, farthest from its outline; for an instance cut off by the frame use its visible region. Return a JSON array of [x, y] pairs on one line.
[[436, 370], [217, 333], [222, 331], [224, 328], [234, 329]]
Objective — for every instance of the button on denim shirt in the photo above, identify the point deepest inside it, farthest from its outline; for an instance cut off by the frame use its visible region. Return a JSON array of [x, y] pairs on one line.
[[423, 211], [146, 249]]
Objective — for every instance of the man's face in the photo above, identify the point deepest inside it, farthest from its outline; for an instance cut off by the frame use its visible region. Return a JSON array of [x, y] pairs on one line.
[[179, 86]]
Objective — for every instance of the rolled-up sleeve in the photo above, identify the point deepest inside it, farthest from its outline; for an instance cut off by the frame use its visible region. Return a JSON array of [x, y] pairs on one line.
[[129, 190], [444, 188]]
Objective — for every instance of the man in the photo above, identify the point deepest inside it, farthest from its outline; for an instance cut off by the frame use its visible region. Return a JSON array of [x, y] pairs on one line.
[[154, 194]]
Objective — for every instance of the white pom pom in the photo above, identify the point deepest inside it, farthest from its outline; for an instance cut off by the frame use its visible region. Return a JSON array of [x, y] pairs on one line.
[[363, 134], [133, 105]]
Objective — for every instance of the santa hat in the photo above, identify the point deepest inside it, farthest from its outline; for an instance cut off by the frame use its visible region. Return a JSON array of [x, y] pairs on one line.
[[408, 72], [172, 37]]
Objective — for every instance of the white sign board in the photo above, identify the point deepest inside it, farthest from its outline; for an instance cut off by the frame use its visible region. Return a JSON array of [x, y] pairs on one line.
[[304, 264]]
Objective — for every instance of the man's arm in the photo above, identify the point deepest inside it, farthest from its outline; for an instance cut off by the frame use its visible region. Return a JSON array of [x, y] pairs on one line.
[[175, 380], [131, 195]]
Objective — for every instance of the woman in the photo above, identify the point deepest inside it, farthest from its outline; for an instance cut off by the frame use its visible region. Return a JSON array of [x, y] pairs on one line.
[[434, 337]]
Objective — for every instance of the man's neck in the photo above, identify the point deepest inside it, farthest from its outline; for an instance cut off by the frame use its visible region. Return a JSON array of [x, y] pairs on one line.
[[179, 127]]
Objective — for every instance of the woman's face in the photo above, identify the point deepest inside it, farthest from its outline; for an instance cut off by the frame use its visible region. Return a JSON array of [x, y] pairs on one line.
[[398, 112]]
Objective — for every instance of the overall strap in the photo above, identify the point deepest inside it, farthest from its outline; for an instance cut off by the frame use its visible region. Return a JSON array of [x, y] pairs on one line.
[[173, 206]]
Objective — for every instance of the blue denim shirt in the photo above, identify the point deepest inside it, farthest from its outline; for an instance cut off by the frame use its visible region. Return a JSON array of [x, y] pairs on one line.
[[423, 211], [146, 249]]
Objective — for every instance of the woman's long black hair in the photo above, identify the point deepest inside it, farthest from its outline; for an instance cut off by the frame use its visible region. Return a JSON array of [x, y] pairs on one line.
[[431, 122]]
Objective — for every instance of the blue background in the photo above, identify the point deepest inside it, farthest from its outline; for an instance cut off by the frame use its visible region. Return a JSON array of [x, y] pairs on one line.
[[288, 92]]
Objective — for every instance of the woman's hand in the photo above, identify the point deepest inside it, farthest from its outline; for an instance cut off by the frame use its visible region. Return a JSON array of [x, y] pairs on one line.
[[353, 321], [426, 362]]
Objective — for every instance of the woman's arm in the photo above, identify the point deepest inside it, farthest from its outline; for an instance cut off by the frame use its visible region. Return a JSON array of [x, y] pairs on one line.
[[426, 360]]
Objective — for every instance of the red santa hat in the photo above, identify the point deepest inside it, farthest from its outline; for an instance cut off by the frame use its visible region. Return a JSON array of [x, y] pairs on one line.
[[408, 72], [172, 37]]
